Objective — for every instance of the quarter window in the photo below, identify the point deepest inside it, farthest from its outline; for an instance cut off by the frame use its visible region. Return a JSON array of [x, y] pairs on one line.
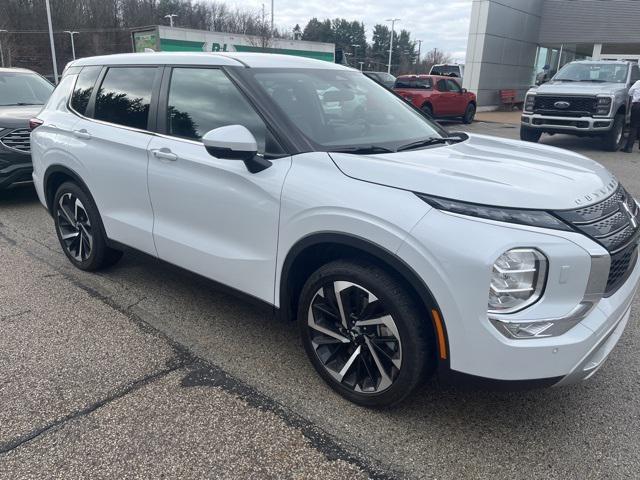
[[83, 89], [125, 96], [201, 99]]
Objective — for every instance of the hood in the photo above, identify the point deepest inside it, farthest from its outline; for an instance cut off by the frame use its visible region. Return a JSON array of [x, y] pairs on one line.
[[489, 171], [578, 88], [17, 116]]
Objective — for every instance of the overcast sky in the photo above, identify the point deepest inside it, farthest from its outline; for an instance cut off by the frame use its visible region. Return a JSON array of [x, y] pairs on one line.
[[441, 24]]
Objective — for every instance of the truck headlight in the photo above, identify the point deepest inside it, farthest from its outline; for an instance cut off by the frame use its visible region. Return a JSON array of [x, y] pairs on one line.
[[518, 277], [603, 105], [529, 102]]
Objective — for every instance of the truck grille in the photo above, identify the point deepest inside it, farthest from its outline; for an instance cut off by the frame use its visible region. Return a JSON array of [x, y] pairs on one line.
[[578, 106], [19, 139], [613, 223]]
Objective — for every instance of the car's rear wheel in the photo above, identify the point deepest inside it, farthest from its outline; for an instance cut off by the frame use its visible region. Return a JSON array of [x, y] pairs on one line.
[[469, 114], [612, 141], [80, 231], [364, 334], [530, 134], [427, 110]]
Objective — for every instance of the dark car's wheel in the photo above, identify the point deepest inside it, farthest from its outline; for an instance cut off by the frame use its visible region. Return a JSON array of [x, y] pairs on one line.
[[80, 229], [469, 114], [530, 134], [612, 141], [364, 334], [427, 110]]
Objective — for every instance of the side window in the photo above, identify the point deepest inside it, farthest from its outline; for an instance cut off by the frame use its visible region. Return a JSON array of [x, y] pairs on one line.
[[83, 89], [453, 86], [635, 74], [201, 99], [125, 95], [442, 85]]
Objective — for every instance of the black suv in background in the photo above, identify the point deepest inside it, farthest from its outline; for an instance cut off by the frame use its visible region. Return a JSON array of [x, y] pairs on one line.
[[22, 95]]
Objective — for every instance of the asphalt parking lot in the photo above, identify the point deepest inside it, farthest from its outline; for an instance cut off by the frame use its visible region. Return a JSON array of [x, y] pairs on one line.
[[145, 370]]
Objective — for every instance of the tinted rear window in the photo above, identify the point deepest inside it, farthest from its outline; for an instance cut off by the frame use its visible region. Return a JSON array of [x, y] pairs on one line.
[[83, 89], [125, 96], [452, 70]]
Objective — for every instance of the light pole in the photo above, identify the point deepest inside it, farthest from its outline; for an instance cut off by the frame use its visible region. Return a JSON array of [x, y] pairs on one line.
[[393, 23], [418, 61], [171, 16], [53, 47], [355, 52], [272, 32], [2, 54], [73, 45]]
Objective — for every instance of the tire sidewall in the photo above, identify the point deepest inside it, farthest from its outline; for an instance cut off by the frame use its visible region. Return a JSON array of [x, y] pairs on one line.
[[99, 245], [469, 114], [614, 139], [413, 362]]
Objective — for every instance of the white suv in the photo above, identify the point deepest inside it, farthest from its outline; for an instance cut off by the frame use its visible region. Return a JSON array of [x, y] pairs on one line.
[[399, 250]]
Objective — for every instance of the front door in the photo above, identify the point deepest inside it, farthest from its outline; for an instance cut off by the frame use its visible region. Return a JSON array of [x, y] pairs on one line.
[[457, 99], [211, 215]]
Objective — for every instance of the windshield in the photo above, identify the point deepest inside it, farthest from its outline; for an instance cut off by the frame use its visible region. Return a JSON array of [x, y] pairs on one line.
[[593, 72], [338, 109], [18, 88]]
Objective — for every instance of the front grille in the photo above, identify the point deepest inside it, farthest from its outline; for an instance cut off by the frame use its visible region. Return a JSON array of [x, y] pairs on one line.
[[19, 139], [578, 106], [614, 224]]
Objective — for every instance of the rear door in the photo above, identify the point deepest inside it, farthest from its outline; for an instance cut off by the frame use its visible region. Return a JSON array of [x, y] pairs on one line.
[[441, 99], [212, 216], [110, 145]]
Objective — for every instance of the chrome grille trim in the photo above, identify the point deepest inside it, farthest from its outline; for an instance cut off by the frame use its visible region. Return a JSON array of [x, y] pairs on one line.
[[19, 139]]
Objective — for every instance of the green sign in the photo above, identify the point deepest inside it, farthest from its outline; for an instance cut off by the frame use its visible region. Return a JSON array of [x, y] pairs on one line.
[[142, 40]]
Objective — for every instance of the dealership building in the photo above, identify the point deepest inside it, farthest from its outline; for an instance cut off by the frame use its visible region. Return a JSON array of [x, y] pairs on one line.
[[510, 41], [171, 39]]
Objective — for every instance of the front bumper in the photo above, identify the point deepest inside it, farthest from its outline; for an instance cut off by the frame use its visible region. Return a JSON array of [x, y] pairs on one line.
[[566, 124], [457, 271], [14, 168]]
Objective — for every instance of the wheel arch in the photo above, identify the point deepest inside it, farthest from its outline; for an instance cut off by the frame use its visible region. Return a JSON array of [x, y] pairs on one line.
[[314, 250], [56, 175]]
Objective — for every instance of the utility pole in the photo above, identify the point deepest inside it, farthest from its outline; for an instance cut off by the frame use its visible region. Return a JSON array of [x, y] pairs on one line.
[[393, 23], [355, 53], [53, 47], [272, 30], [171, 16], [73, 46], [418, 61], [2, 54]]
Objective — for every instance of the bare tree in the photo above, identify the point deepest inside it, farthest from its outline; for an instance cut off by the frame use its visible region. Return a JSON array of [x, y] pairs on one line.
[[433, 57]]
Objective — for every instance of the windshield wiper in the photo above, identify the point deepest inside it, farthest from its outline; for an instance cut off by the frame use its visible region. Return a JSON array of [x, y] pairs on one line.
[[593, 80], [363, 149], [564, 80], [18, 104], [430, 141]]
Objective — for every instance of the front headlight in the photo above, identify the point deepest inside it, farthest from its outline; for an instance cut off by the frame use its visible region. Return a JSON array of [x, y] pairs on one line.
[[529, 102], [534, 218], [603, 105], [518, 277]]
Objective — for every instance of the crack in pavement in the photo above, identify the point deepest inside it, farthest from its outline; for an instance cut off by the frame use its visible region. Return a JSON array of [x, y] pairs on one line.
[[203, 373], [11, 316]]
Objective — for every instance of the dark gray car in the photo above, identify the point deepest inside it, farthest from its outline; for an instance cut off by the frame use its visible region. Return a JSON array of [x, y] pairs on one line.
[[22, 95]]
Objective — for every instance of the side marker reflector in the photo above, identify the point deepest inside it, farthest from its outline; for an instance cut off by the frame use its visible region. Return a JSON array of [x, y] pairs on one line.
[[442, 344]]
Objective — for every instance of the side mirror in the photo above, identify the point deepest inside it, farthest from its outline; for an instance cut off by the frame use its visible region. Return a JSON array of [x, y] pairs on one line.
[[234, 142], [464, 90]]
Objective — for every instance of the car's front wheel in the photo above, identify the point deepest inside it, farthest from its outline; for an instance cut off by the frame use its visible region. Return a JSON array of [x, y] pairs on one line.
[[364, 333], [530, 134], [612, 141], [80, 231], [427, 110], [469, 114]]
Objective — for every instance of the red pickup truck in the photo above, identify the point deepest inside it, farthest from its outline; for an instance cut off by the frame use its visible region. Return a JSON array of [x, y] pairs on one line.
[[438, 97]]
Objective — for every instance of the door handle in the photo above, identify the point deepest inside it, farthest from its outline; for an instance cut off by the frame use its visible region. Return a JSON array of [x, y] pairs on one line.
[[165, 154], [82, 134]]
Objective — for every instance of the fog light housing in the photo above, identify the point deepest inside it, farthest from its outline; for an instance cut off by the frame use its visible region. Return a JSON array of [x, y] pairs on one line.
[[518, 278]]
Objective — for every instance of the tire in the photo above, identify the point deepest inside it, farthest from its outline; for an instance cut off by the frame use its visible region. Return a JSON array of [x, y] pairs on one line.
[[427, 110], [397, 366], [469, 114], [80, 230], [529, 134], [612, 141]]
